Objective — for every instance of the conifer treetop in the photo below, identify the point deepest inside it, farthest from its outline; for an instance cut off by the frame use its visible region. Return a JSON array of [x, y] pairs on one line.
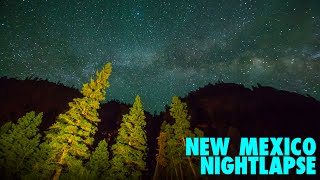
[[69, 138], [171, 143], [95, 89], [129, 151], [18, 142], [179, 112], [136, 111], [98, 164]]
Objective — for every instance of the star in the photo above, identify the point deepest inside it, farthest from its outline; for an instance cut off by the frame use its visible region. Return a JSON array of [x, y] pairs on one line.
[[163, 48]]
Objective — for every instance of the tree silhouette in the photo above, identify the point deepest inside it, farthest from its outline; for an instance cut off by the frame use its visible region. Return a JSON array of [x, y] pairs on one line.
[[68, 139], [18, 143], [129, 151]]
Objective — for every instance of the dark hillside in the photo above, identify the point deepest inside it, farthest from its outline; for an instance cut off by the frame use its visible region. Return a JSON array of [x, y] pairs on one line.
[[223, 109]]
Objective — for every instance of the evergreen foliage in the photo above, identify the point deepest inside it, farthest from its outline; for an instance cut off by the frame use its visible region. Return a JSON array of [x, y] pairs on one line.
[[129, 151], [65, 153], [68, 139], [18, 143], [171, 157], [5, 128], [161, 159], [98, 164]]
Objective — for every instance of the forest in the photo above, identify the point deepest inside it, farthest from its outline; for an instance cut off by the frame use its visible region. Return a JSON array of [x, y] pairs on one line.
[[73, 148], [65, 151]]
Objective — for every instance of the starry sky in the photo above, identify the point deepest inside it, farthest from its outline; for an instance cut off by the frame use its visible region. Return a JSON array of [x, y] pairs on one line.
[[163, 48]]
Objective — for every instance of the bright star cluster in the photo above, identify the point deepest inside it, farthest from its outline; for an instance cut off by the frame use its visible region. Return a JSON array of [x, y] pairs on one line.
[[163, 48]]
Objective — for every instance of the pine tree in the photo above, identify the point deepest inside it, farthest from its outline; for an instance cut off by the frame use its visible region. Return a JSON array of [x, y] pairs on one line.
[[5, 128], [68, 139], [98, 164], [18, 143], [129, 151], [173, 152], [174, 143], [161, 156]]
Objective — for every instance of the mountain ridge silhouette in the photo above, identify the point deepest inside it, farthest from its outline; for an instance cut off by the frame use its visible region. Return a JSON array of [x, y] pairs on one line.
[[220, 110]]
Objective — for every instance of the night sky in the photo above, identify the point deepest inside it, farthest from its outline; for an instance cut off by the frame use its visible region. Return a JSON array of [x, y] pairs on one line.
[[163, 48]]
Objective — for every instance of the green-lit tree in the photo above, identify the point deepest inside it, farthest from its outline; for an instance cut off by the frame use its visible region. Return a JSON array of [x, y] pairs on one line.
[[66, 142], [18, 143], [161, 156], [98, 164], [174, 157], [129, 151], [5, 128]]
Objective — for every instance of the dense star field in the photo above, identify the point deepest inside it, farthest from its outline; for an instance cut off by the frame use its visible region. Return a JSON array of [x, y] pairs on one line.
[[163, 48]]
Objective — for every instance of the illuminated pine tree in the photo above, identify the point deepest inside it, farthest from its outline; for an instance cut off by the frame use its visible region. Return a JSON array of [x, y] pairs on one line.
[[99, 161], [175, 145], [181, 129], [172, 152], [129, 151], [5, 128], [68, 139], [18, 143], [161, 156]]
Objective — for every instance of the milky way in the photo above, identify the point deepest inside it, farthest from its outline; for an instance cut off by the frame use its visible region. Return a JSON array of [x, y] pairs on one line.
[[163, 48]]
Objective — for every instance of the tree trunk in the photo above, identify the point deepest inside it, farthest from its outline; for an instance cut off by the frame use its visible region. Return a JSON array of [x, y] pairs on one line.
[[61, 162], [189, 160], [156, 172], [175, 168], [167, 173], [181, 171], [192, 168], [57, 174]]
